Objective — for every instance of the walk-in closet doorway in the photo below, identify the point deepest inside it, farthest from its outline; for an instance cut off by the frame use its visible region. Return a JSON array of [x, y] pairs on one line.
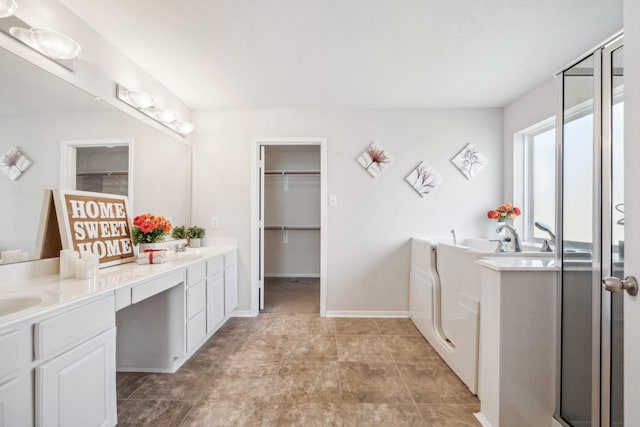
[[289, 232]]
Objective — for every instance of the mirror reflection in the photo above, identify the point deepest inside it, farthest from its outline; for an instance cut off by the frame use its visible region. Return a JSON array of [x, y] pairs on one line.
[[39, 115]]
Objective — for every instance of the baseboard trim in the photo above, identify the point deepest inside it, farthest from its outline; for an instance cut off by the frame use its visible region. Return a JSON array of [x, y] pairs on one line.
[[367, 313], [286, 275], [482, 420], [241, 313]]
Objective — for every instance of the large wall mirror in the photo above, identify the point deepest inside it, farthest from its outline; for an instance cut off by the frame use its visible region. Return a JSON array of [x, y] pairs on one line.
[[39, 113]]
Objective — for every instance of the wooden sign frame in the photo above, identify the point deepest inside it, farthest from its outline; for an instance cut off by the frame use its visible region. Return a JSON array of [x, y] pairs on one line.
[[95, 222]]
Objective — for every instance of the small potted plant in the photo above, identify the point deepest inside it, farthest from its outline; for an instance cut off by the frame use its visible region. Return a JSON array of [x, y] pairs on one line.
[[179, 232], [195, 235]]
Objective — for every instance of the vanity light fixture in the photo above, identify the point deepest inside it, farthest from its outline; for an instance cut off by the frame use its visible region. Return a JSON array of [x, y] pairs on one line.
[[135, 98], [144, 103], [57, 47], [49, 43], [7, 8], [161, 115]]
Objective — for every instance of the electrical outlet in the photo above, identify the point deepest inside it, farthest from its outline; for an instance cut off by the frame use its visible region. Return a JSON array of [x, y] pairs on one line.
[[215, 222], [333, 200]]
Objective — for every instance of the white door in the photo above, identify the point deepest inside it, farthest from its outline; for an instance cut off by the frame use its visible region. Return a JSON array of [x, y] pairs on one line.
[[261, 158], [632, 211]]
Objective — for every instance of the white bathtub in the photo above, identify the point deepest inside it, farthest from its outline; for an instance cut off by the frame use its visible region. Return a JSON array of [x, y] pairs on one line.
[[444, 298]]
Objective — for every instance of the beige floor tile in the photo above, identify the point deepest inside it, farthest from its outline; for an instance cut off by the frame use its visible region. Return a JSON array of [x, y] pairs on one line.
[[152, 413], [356, 326], [309, 414], [298, 369], [397, 327], [243, 383], [450, 415], [261, 348], [307, 382], [312, 347], [409, 349], [435, 383], [372, 383], [382, 414], [185, 384], [292, 295], [207, 413], [362, 348], [128, 382]]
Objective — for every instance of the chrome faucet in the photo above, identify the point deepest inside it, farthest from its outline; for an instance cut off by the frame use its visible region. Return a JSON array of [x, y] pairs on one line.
[[546, 244], [514, 234]]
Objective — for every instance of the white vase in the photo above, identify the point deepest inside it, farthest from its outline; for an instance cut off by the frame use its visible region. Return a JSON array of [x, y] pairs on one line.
[[195, 242]]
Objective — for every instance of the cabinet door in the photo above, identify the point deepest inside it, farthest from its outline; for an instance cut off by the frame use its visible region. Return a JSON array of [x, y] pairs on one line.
[[230, 289], [15, 408], [215, 301], [78, 388]]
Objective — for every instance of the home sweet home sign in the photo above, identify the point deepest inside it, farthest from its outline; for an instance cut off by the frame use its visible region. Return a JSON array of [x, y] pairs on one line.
[[95, 222]]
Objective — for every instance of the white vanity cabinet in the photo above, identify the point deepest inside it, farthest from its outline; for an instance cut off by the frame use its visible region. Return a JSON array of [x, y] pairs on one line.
[[215, 293], [230, 282], [75, 366], [16, 401], [196, 318]]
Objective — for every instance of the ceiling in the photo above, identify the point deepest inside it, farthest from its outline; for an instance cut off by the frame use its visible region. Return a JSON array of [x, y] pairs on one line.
[[351, 53]]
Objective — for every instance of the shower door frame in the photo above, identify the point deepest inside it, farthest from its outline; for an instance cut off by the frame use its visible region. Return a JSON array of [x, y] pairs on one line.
[[601, 259]]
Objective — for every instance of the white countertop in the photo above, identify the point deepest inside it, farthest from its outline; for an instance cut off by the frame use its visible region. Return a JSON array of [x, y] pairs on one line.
[[56, 293], [519, 264]]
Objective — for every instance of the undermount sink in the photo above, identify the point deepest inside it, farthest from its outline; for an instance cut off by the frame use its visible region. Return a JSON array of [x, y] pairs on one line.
[[15, 300]]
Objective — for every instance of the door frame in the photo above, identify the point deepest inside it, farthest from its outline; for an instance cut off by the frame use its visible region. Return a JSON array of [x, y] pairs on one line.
[[256, 143], [68, 160]]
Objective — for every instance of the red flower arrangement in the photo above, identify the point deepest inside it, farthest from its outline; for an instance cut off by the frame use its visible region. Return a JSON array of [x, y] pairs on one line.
[[148, 228], [504, 212]]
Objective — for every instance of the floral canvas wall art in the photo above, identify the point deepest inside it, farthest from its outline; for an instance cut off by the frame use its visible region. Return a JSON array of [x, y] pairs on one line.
[[14, 163], [423, 179], [469, 161], [375, 160]]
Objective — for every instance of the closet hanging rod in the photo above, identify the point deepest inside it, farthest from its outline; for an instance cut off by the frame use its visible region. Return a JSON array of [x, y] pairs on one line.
[[292, 227], [292, 172], [108, 173]]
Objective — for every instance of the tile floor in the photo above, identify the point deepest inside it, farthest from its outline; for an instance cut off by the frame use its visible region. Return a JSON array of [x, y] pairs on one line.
[[284, 369], [292, 295]]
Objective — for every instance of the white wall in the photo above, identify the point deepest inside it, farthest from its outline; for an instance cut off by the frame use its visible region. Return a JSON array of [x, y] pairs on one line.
[[368, 232], [536, 105]]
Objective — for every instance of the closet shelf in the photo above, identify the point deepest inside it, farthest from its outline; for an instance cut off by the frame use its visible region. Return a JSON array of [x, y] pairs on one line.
[[292, 172], [291, 227]]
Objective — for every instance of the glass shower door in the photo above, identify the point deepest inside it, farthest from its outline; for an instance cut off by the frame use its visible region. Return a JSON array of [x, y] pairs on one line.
[[578, 295], [592, 244]]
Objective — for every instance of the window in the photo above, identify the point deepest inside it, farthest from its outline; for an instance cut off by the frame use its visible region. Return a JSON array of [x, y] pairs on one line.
[[535, 178]]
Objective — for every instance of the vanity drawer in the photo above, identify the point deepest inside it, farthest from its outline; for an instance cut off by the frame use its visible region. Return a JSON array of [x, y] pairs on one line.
[[196, 299], [196, 273], [155, 286], [230, 259], [73, 326], [196, 330], [215, 266]]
